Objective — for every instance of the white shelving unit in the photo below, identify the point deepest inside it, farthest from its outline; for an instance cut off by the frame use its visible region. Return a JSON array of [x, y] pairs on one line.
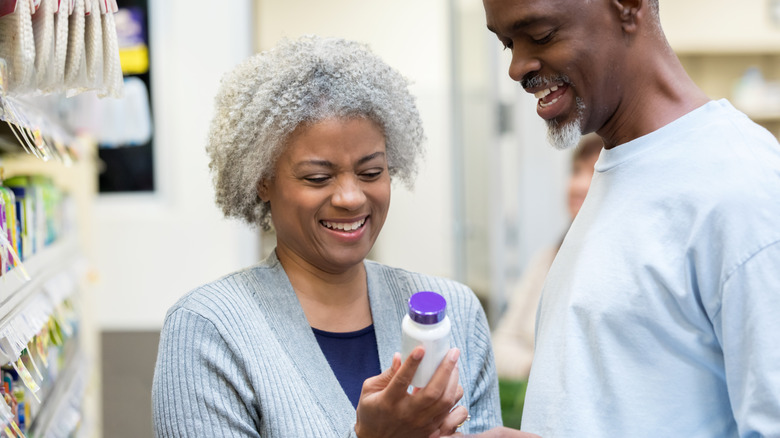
[[58, 412], [39, 58], [718, 42], [15, 291], [722, 26], [56, 272], [62, 262]]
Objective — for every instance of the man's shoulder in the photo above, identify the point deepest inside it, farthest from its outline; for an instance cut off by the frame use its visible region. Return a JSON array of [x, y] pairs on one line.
[[721, 122]]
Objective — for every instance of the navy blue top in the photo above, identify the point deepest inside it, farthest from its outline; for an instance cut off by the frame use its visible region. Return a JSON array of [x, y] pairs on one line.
[[353, 357]]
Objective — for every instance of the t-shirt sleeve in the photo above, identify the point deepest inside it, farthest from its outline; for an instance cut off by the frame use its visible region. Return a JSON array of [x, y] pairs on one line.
[[197, 390], [748, 326]]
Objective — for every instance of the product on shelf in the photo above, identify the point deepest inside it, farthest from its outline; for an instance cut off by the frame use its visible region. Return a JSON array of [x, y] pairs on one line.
[[38, 369], [9, 231], [31, 218]]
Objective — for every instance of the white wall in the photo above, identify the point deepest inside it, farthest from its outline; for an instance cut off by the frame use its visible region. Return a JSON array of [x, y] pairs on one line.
[[516, 182], [414, 37], [410, 35], [149, 249], [542, 181], [532, 179]]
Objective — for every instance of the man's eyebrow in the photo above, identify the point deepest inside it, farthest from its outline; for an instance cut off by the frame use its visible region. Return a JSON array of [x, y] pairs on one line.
[[522, 23]]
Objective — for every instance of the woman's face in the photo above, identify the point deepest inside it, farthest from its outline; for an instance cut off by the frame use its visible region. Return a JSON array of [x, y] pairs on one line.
[[330, 193], [579, 182]]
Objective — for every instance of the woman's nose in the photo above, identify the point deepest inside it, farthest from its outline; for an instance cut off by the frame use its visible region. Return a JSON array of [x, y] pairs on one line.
[[349, 193]]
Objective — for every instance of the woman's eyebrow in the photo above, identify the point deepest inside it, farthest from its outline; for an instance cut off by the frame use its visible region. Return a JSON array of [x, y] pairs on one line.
[[330, 165], [316, 163], [371, 157]]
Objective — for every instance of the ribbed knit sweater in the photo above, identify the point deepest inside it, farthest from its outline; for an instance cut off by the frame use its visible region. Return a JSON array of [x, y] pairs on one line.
[[237, 357]]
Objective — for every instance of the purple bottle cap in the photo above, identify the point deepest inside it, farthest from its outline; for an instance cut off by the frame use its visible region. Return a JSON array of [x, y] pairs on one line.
[[427, 307]]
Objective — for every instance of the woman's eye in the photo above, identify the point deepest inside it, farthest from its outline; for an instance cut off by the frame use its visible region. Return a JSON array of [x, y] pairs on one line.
[[317, 179], [507, 44], [371, 175]]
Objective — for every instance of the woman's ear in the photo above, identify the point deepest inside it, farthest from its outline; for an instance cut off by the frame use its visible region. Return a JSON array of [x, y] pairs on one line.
[[262, 189]]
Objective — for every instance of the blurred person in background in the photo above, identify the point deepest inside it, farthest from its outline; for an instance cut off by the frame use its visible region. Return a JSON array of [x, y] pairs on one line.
[[513, 339], [307, 137]]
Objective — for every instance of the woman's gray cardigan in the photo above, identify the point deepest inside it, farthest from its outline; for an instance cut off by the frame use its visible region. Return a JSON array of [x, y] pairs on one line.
[[237, 357]]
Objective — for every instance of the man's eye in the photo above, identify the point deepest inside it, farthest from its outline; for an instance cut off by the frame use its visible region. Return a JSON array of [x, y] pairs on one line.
[[546, 39], [507, 44]]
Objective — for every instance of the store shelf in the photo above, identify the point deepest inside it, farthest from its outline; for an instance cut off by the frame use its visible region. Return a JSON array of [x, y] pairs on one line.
[[40, 124], [60, 396], [722, 74], [713, 27], [8, 141], [768, 117], [700, 48], [15, 291]]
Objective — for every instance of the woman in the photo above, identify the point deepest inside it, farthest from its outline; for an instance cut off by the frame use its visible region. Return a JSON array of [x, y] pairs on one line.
[[306, 138]]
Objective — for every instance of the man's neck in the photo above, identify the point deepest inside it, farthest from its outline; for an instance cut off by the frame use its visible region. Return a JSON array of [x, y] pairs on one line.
[[660, 93]]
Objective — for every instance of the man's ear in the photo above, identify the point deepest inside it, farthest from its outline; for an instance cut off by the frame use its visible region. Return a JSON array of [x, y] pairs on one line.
[[262, 189], [630, 12]]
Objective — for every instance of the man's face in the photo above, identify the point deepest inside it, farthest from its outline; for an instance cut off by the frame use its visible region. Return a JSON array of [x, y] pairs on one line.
[[566, 53]]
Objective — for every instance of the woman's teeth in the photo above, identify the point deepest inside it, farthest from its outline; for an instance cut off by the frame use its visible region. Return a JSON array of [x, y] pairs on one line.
[[351, 226]]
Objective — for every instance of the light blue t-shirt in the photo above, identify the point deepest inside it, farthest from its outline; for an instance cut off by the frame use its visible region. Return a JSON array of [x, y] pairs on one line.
[[660, 316]]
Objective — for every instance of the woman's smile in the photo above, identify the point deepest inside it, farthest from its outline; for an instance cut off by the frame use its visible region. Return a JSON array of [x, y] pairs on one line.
[[346, 231], [347, 226]]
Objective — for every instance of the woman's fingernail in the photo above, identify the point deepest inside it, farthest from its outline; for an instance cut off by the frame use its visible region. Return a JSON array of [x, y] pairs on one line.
[[454, 354], [418, 353]]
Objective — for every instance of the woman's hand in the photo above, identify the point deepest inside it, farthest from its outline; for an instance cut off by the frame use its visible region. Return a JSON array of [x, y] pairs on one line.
[[498, 432], [386, 409]]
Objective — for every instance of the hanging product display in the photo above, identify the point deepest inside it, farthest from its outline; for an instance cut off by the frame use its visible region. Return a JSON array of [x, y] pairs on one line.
[[46, 46], [44, 34], [60, 45], [17, 45], [50, 50]]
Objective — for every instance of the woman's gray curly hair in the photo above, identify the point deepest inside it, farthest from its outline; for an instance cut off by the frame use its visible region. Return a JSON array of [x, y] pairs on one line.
[[263, 100]]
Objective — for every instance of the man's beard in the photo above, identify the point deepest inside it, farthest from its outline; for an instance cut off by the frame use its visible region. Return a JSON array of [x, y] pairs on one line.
[[568, 135]]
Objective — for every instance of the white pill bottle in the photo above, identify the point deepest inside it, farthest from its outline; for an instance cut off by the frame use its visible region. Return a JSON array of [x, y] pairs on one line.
[[426, 324]]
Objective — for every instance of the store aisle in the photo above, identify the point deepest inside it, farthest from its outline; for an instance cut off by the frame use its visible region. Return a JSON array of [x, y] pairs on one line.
[[128, 368]]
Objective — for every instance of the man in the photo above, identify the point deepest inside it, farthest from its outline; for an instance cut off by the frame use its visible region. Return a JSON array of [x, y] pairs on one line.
[[661, 312]]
